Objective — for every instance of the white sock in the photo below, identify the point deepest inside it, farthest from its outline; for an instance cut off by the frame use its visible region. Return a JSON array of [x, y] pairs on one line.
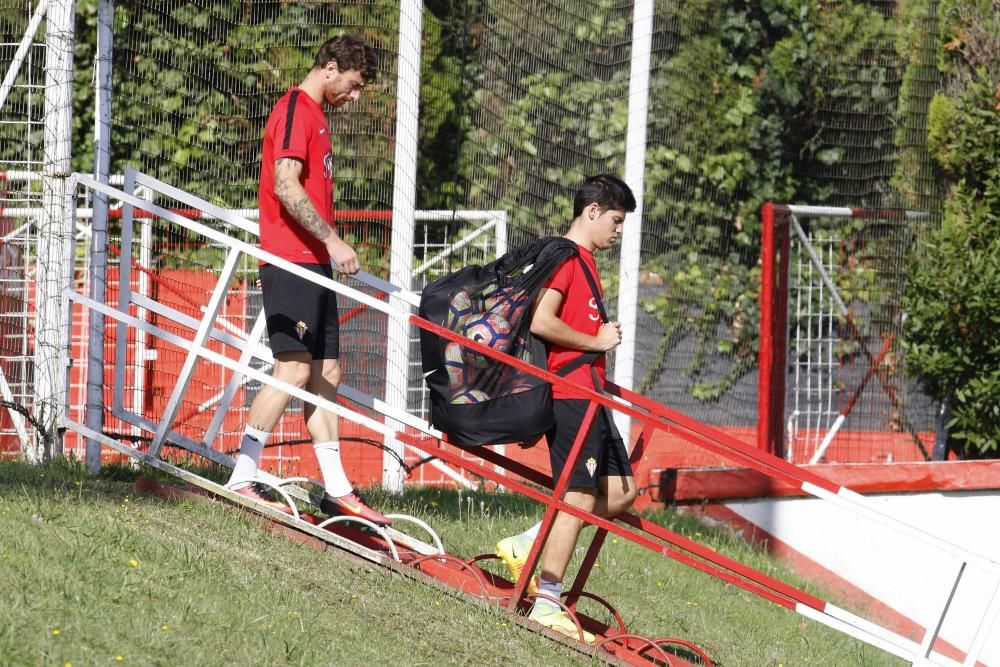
[[251, 448], [551, 588], [532, 532], [334, 478]]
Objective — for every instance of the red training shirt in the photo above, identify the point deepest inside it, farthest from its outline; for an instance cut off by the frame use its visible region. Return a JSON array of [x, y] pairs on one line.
[[579, 310], [297, 128]]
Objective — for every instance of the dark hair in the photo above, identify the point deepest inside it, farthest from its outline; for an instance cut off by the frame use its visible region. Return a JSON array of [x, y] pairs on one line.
[[607, 191], [350, 53]]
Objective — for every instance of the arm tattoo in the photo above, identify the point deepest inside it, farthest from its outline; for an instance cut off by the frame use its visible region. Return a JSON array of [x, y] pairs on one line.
[[304, 212], [300, 207]]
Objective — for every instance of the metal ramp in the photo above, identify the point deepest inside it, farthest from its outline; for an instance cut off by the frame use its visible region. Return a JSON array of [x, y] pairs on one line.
[[425, 557]]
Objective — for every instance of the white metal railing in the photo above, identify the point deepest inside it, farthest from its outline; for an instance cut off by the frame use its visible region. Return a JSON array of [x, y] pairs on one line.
[[962, 562], [488, 239], [252, 349]]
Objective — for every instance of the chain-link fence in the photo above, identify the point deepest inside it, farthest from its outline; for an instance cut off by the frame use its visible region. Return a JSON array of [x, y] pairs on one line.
[[804, 102]]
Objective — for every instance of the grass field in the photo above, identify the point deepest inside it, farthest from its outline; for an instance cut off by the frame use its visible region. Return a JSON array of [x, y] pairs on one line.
[[92, 574]]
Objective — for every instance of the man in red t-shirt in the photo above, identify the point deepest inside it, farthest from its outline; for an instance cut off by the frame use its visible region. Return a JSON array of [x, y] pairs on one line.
[[568, 319], [296, 224]]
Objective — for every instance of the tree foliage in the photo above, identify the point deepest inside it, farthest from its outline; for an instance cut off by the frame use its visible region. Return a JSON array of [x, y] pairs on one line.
[[953, 300]]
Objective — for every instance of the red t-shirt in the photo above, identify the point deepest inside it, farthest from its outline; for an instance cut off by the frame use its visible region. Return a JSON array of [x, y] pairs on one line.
[[297, 128], [579, 310]]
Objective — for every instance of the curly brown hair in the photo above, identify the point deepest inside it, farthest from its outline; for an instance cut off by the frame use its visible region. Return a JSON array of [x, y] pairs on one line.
[[350, 52]]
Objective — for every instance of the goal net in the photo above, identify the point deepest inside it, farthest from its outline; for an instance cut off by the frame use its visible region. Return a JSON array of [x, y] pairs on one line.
[[832, 388], [22, 58]]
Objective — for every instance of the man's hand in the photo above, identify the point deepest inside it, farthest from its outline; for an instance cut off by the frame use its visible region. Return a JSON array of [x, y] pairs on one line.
[[609, 336], [342, 255], [545, 324]]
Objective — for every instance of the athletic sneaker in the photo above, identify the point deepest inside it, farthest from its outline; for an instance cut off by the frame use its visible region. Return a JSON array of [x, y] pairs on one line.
[[352, 505], [556, 619], [513, 552], [250, 491]]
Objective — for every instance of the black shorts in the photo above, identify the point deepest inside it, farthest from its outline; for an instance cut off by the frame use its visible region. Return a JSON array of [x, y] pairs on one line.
[[301, 315], [603, 453]]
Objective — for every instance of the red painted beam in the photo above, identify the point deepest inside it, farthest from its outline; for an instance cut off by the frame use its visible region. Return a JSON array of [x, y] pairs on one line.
[[698, 484]]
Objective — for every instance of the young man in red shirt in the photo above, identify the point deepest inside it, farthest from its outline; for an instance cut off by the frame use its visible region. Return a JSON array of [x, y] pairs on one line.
[[296, 224], [567, 318]]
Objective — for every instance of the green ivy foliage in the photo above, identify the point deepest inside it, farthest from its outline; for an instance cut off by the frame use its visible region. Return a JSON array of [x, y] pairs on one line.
[[738, 108], [194, 83]]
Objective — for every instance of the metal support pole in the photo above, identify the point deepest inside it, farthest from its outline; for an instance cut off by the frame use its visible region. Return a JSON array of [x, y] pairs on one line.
[[941, 430], [404, 204], [772, 357], [99, 231], [635, 166], [54, 239]]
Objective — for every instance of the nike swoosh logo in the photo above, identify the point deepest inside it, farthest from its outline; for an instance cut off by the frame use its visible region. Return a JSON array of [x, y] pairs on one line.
[[354, 508]]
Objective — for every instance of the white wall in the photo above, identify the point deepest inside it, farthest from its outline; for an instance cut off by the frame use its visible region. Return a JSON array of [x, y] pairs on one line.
[[910, 576]]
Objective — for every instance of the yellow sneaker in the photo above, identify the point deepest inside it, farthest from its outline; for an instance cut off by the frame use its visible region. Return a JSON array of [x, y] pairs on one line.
[[513, 552], [556, 619]]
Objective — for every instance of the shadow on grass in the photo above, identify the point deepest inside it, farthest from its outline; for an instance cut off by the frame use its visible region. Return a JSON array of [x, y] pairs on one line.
[[114, 481], [456, 504]]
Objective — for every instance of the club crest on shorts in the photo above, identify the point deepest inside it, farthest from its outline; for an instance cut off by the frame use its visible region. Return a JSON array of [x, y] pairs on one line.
[[591, 465], [300, 329]]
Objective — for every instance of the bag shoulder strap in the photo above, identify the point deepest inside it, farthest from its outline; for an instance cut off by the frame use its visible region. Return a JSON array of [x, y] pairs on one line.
[[593, 288], [587, 357], [583, 359]]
